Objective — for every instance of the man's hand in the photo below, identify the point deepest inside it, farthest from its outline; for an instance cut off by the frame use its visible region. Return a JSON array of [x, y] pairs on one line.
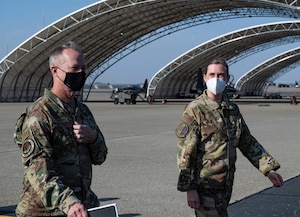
[[193, 199], [275, 178], [77, 210], [84, 134]]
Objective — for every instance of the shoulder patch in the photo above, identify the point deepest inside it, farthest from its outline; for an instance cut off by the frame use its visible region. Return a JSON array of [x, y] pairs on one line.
[[182, 130], [18, 129], [28, 148]]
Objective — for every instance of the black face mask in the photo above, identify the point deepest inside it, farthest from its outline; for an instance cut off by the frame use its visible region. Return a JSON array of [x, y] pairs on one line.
[[75, 80]]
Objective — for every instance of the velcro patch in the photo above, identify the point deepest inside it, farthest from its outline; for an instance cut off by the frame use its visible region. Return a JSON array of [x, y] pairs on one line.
[[182, 130], [27, 148]]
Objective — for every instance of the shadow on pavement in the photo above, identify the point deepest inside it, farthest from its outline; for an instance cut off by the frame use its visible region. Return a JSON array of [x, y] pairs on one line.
[[8, 210], [284, 201]]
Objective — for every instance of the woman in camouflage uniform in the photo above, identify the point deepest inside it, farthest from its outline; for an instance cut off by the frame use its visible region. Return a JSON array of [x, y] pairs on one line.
[[210, 130]]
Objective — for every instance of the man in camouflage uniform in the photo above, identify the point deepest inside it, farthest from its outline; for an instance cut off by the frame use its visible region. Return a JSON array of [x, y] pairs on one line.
[[59, 140], [210, 130]]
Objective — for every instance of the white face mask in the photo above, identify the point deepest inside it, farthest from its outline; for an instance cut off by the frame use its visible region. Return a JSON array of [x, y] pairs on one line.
[[216, 85]]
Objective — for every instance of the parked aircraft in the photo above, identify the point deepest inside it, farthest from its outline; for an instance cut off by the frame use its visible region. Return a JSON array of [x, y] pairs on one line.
[[129, 93]]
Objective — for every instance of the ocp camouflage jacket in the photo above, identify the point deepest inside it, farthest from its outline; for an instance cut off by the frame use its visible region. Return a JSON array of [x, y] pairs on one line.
[[58, 170], [207, 137]]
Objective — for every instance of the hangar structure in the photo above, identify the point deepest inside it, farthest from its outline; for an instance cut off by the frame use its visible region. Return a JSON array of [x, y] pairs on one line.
[[182, 73], [258, 78], [109, 30]]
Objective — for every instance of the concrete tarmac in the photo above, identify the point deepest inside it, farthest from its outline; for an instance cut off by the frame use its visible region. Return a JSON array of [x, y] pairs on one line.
[[140, 173]]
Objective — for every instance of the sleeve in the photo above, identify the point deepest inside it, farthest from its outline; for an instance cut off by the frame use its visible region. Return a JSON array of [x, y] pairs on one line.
[[98, 149], [188, 135], [40, 172], [255, 152]]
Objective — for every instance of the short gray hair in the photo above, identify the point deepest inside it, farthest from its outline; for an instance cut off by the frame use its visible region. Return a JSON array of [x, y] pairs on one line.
[[57, 51]]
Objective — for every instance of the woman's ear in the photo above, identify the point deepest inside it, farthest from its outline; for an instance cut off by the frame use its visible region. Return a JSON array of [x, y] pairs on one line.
[[204, 78], [228, 79]]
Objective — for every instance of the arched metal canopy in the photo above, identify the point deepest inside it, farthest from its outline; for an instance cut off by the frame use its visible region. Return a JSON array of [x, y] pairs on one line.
[[256, 80], [181, 74], [111, 29]]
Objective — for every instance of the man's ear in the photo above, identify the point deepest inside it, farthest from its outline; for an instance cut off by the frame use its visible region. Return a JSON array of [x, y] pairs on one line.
[[53, 70]]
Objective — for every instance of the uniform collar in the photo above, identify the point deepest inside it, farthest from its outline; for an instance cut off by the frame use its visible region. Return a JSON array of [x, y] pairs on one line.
[[214, 104], [48, 93], [53, 97]]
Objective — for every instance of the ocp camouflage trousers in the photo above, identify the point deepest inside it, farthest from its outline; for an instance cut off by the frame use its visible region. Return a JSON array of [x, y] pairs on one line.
[[22, 215], [213, 203]]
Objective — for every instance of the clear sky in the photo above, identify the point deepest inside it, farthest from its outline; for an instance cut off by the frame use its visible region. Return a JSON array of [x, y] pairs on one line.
[[20, 19]]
